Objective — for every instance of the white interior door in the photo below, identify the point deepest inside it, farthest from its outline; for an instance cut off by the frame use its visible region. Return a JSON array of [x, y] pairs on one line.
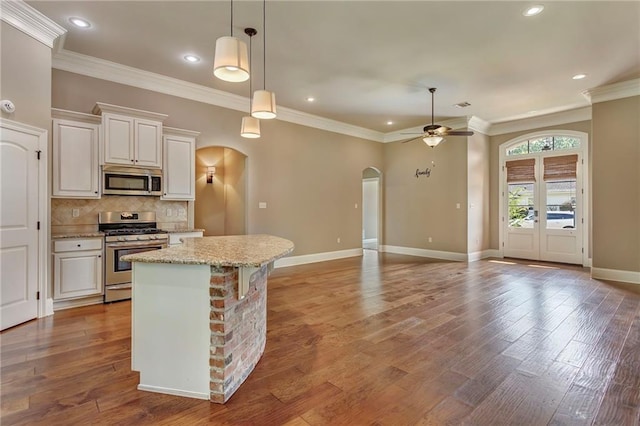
[[19, 177], [544, 217]]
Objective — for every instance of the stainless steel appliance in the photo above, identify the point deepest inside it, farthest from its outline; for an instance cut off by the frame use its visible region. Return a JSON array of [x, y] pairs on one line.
[[131, 181], [126, 233]]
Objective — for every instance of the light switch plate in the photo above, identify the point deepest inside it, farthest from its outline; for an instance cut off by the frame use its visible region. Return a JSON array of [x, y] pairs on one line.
[[262, 205]]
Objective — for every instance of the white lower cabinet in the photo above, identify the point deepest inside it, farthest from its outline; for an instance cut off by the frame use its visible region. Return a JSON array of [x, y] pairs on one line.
[[175, 238], [77, 268]]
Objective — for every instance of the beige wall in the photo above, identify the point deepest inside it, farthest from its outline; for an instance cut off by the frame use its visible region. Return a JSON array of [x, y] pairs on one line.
[[478, 191], [209, 208], [220, 207], [310, 179], [235, 196], [496, 141], [26, 77], [616, 184], [418, 208]]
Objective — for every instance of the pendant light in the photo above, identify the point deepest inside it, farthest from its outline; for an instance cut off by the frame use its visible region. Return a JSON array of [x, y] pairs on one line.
[[230, 62], [250, 125], [264, 102]]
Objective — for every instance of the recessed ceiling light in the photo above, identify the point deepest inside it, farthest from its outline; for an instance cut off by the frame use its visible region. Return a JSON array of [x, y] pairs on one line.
[[389, 123], [79, 22], [310, 99], [579, 76], [533, 10], [191, 58]]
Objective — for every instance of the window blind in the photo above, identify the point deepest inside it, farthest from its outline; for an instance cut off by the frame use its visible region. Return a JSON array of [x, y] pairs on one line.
[[521, 170], [558, 168]]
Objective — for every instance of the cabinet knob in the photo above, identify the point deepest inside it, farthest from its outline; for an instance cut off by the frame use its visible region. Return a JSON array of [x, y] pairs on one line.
[[99, 255], [79, 245], [96, 192], [132, 161]]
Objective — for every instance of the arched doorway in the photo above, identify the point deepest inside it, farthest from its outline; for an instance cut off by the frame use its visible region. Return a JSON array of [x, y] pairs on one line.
[[371, 210], [544, 193], [220, 204]]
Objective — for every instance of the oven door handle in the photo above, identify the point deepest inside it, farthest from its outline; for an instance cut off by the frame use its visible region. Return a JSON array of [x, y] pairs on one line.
[[135, 246]]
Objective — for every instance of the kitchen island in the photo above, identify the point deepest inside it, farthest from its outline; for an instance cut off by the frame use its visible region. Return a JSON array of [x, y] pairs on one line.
[[199, 313]]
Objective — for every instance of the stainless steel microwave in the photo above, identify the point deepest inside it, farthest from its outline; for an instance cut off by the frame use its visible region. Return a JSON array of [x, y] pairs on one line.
[[131, 181]]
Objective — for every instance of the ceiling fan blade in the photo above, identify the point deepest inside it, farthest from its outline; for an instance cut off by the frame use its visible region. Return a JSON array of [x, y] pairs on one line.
[[456, 133], [414, 133], [413, 139]]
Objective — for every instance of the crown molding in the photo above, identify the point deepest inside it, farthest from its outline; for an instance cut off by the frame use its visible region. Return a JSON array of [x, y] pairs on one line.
[[614, 91], [477, 124], [31, 22], [564, 117], [174, 131], [76, 116], [110, 71]]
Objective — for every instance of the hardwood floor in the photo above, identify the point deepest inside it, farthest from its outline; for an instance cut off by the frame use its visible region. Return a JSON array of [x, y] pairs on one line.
[[377, 340]]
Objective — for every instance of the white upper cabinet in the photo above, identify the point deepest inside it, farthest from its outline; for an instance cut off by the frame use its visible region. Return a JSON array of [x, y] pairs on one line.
[[76, 147], [179, 164], [132, 137]]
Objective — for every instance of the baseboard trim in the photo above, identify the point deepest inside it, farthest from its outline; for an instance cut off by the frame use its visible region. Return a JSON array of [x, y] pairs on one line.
[[75, 303], [631, 277], [484, 254], [176, 392], [316, 257], [435, 254]]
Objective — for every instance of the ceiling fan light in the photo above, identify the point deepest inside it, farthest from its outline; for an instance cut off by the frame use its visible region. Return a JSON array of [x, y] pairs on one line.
[[433, 141], [231, 62], [264, 105], [250, 127]]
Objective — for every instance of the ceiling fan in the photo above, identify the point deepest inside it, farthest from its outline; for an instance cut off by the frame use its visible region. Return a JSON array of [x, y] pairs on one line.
[[433, 134]]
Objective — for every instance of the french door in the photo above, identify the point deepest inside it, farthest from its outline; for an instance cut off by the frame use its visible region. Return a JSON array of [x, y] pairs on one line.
[[543, 200]]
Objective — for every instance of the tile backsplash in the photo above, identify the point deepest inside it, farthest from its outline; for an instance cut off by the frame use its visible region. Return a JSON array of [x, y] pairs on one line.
[[169, 214]]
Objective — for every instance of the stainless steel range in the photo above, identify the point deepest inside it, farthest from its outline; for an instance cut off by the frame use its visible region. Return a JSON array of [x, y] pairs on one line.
[[126, 233]]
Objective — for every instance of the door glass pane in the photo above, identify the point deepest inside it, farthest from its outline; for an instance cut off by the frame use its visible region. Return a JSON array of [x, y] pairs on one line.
[[521, 205], [561, 204]]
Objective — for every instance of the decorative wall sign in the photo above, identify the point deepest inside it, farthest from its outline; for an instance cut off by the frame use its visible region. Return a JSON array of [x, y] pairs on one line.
[[426, 172]]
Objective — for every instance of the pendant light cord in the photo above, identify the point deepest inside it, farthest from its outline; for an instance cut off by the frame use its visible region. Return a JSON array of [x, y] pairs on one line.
[[231, 18], [250, 75], [432, 108], [264, 44]]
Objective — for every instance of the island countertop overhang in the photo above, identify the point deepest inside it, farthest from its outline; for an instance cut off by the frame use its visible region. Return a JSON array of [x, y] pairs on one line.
[[240, 251]]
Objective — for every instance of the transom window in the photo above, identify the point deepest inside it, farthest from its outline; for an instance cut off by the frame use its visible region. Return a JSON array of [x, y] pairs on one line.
[[547, 143]]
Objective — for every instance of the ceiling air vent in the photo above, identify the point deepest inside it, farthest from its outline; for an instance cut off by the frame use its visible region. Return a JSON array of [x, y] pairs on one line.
[[462, 105]]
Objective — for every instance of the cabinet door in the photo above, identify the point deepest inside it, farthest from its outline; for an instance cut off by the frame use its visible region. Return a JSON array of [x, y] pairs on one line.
[[148, 146], [77, 274], [76, 170], [179, 168], [118, 139]]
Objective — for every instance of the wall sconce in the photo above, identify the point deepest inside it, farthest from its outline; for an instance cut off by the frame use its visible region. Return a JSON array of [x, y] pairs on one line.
[[211, 170]]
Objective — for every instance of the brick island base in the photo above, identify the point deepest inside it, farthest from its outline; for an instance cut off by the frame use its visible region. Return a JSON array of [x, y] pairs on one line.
[[191, 334]]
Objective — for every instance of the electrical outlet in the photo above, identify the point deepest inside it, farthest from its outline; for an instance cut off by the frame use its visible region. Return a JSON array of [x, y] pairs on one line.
[[457, 205], [181, 212], [75, 212], [356, 205], [169, 212], [262, 205], [430, 239], [338, 240]]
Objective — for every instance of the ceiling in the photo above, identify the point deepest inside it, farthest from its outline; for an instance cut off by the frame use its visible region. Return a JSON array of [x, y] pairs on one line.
[[370, 62]]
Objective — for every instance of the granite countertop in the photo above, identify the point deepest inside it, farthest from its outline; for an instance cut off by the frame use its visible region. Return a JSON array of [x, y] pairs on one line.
[[93, 234], [237, 250], [182, 231]]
